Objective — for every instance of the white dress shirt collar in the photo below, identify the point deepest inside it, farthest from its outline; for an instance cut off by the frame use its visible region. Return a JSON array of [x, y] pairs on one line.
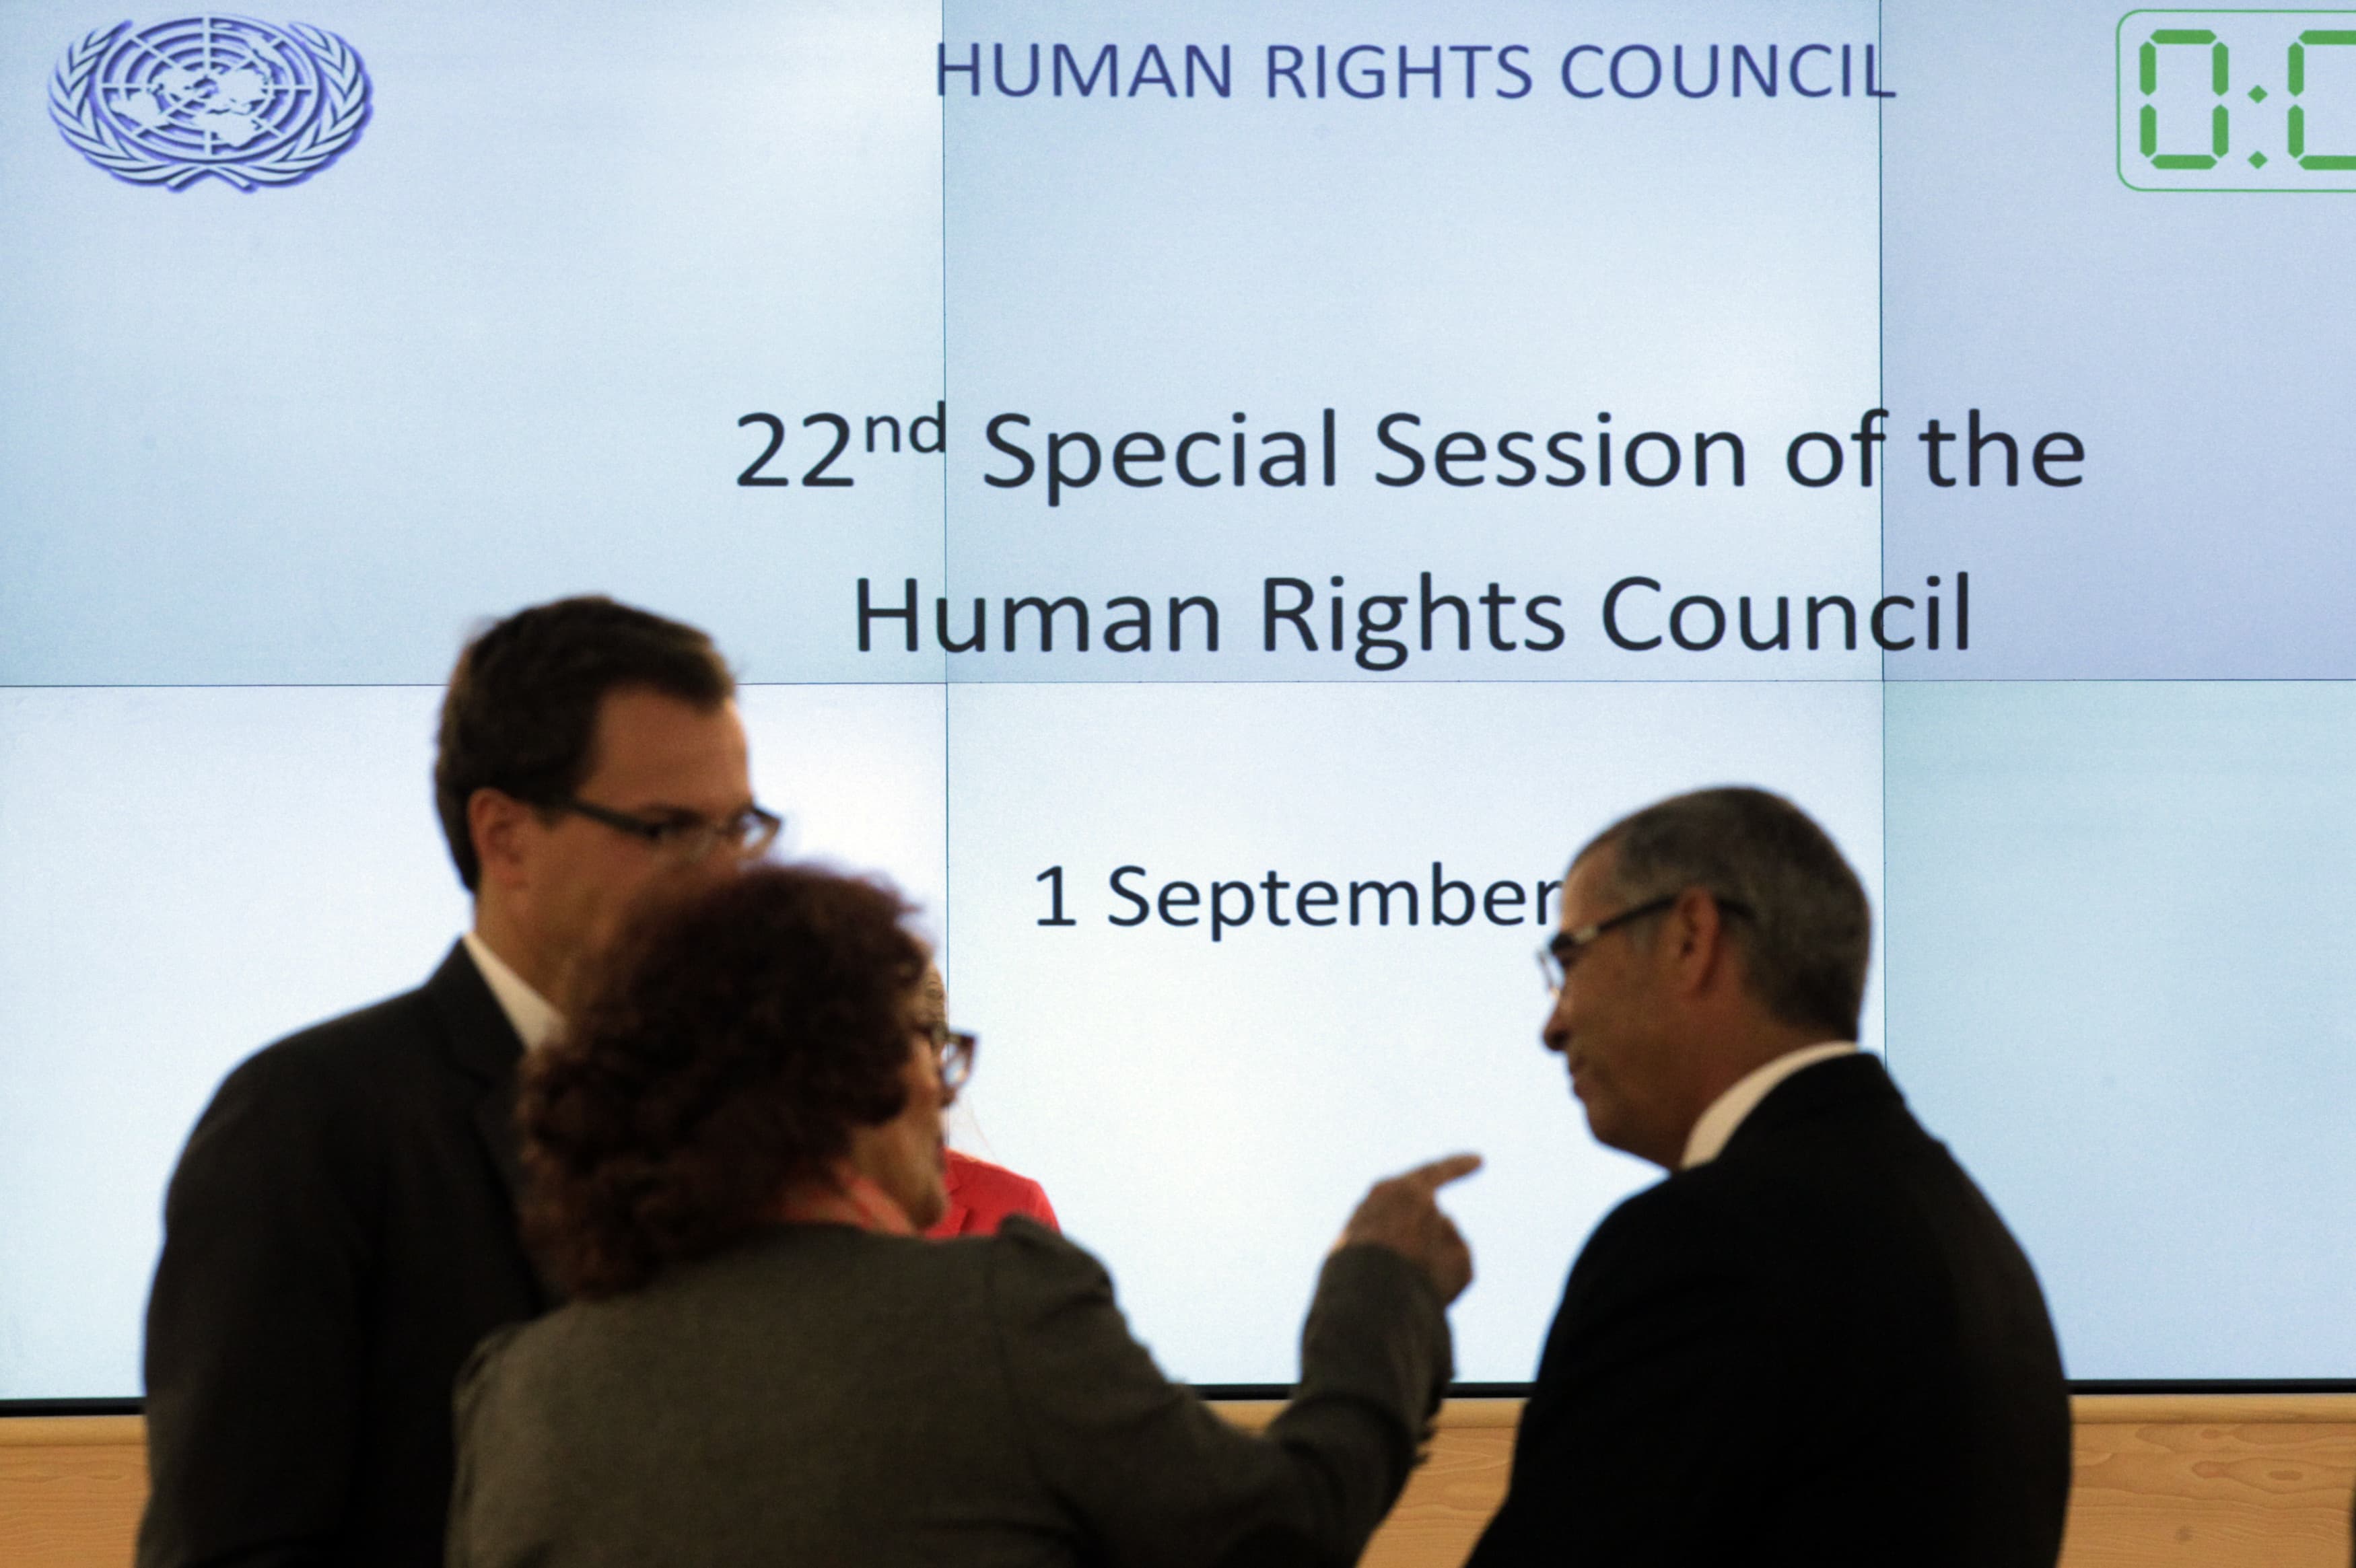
[[1708, 1139], [535, 1021]]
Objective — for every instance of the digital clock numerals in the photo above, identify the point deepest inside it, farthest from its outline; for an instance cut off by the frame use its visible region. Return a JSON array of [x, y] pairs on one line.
[[2220, 118], [2190, 120], [2315, 38]]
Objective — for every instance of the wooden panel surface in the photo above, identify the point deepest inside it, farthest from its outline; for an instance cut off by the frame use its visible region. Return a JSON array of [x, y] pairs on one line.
[[71, 1490], [1451, 1494], [2204, 1483], [2188, 1482]]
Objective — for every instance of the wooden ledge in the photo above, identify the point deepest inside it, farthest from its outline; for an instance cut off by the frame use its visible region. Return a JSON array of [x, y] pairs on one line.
[[2087, 1410], [72, 1431], [1455, 1414], [2213, 1409]]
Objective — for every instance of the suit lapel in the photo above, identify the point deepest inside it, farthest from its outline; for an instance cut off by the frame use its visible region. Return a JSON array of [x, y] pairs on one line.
[[484, 1047]]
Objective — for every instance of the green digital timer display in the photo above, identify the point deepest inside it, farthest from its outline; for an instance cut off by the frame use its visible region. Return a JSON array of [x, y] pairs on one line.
[[2237, 100]]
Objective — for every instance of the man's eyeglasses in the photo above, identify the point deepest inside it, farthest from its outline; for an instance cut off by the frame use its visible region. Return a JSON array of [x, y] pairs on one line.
[[1556, 957], [686, 838], [954, 1048]]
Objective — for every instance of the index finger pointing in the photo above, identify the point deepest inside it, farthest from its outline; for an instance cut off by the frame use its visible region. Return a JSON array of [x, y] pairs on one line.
[[1440, 1172]]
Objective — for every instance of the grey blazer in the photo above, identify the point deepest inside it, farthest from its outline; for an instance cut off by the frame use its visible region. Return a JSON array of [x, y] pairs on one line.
[[824, 1395]]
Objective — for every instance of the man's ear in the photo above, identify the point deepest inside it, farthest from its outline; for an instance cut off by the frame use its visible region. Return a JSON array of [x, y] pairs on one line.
[[1697, 928], [498, 823]]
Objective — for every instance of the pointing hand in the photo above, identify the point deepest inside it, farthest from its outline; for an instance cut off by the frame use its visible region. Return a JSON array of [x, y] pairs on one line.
[[1403, 1214]]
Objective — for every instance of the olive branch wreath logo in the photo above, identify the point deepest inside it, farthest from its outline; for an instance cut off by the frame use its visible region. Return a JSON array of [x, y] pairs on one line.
[[333, 126]]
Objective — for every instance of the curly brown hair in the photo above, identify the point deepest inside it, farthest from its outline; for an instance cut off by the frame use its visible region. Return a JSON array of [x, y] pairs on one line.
[[738, 1037]]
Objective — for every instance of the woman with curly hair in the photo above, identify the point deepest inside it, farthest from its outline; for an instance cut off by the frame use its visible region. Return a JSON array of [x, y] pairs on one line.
[[730, 1156]]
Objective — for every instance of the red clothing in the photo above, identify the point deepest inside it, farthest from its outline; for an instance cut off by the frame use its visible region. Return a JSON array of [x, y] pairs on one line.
[[982, 1194]]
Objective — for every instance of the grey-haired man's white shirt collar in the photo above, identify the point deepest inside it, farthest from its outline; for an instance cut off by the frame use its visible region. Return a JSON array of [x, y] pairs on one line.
[[1708, 1139]]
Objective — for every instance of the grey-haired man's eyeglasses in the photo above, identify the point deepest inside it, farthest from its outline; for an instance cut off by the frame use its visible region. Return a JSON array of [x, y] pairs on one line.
[[1555, 958]]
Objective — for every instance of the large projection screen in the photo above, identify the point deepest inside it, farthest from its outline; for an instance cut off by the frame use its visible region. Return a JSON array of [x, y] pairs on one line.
[[1217, 502]]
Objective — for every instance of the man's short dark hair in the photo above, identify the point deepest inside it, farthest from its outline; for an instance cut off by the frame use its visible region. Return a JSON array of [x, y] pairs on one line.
[[1809, 932], [520, 716]]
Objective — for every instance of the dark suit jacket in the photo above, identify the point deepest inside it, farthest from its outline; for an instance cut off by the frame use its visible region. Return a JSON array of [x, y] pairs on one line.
[[1823, 1347], [339, 1234], [822, 1395]]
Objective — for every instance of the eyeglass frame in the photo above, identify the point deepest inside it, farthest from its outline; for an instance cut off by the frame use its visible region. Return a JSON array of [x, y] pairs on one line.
[[1560, 953], [669, 835], [954, 1051]]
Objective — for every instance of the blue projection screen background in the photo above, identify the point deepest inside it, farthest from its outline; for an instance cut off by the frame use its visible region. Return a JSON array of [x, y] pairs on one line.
[[1217, 502]]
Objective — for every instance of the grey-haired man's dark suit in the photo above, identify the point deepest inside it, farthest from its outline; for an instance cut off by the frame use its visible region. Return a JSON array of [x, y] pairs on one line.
[[1822, 1346]]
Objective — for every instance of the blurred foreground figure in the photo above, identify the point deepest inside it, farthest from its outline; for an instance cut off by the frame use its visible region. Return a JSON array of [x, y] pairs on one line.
[[731, 1156], [341, 1229], [1814, 1342]]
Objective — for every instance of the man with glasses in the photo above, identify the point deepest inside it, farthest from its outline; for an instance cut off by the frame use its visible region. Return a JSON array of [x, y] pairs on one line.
[[341, 1229], [1815, 1341]]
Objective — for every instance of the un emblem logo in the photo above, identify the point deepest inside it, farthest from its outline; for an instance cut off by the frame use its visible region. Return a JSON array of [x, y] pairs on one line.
[[210, 95]]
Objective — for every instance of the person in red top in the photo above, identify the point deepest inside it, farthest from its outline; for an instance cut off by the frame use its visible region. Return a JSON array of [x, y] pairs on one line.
[[981, 1195]]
